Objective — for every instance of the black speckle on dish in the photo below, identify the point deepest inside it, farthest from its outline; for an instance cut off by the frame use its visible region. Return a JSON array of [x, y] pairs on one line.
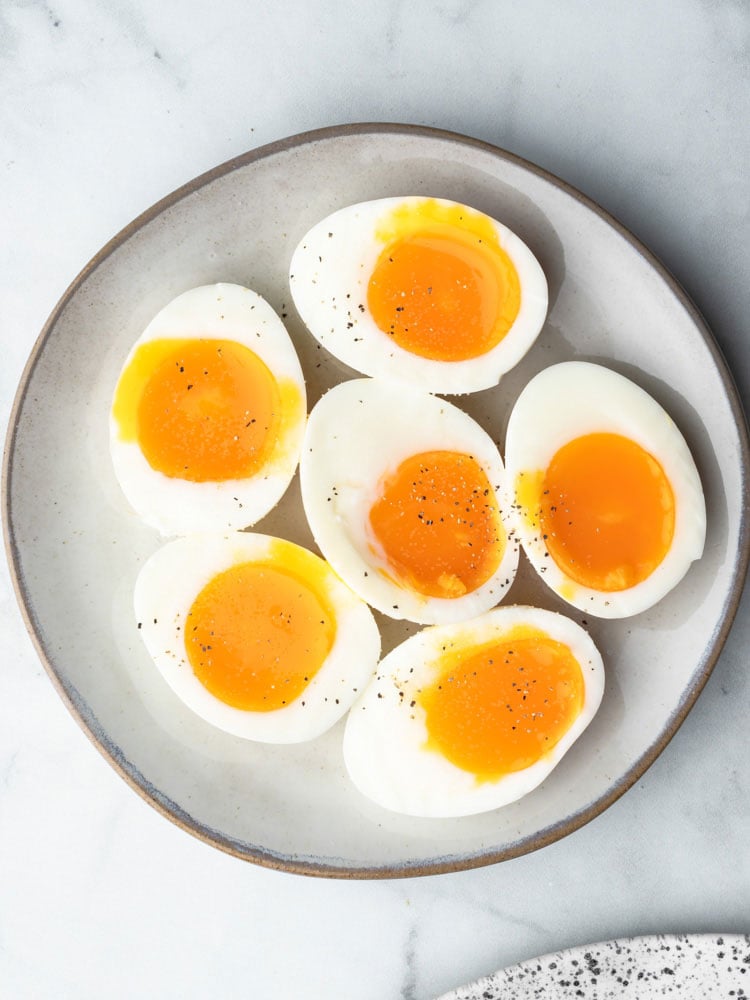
[[688, 965]]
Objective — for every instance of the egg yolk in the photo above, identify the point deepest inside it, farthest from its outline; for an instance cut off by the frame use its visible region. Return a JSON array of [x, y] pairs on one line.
[[443, 288], [502, 706], [437, 524], [606, 511], [257, 634], [200, 409]]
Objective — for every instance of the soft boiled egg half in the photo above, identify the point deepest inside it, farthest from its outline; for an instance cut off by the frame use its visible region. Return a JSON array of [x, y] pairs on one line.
[[461, 719], [255, 634], [400, 489], [604, 493], [208, 413], [420, 290]]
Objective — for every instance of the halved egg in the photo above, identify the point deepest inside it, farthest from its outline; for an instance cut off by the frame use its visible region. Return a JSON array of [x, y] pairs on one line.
[[423, 291], [604, 493], [255, 634], [400, 489], [465, 718], [208, 413]]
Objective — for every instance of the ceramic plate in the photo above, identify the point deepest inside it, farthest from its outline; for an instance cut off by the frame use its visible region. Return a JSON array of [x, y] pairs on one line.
[[690, 965], [75, 548]]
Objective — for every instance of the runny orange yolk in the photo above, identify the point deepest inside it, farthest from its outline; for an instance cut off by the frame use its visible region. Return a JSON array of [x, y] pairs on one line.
[[607, 511], [437, 524], [200, 409], [443, 288], [500, 707], [257, 634]]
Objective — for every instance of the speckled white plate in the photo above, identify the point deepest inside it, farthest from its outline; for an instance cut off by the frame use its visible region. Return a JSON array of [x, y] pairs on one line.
[[75, 548], [693, 966]]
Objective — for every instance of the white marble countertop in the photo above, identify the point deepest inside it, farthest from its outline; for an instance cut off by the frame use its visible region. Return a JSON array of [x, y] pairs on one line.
[[107, 106]]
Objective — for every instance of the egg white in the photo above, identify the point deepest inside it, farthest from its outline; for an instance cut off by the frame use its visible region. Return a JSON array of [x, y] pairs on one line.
[[575, 398], [329, 274], [177, 506], [385, 735], [359, 432], [165, 590]]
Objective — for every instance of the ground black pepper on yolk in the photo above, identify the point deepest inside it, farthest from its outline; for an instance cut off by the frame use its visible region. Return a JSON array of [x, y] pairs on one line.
[[257, 634], [443, 288], [499, 708], [438, 526], [203, 410]]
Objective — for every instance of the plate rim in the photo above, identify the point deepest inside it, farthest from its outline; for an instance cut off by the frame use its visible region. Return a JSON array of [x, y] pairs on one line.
[[574, 951], [327, 868]]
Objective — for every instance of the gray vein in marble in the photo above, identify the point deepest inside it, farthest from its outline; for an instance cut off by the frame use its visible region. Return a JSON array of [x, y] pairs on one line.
[[459, 12], [727, 24], [135, 28], [409, 987], [120, 34], [10, 766]]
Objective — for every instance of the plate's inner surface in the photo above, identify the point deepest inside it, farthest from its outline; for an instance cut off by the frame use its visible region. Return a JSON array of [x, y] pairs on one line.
[[78, 548]]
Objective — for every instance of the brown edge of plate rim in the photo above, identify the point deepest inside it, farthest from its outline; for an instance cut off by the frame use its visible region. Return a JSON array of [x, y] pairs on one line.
[[328, 868]]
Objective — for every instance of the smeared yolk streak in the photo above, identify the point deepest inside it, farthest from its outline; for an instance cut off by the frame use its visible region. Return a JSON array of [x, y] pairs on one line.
[[257, 634], [443, 288], [437, 524], [605, 509], [500, 707], [200, 409]]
